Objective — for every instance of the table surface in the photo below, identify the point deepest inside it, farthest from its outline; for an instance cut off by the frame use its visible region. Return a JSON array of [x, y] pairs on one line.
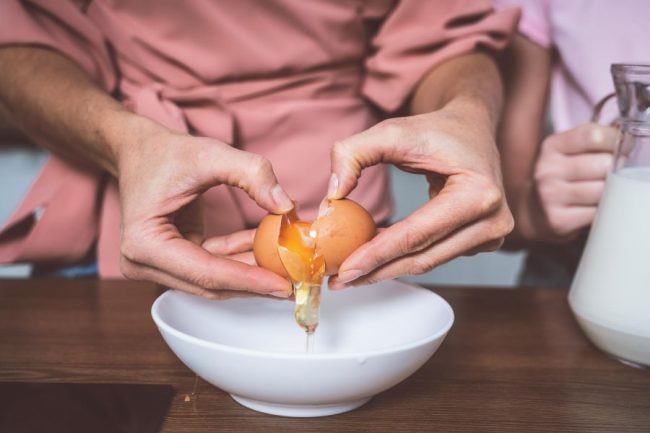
[[514, 360]]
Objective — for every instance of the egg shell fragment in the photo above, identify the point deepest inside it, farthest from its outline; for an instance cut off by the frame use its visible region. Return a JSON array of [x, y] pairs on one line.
[[265, 245], [342, 228]]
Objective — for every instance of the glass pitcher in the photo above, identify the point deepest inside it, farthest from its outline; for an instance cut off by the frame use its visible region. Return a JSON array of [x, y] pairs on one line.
[[610, 294]]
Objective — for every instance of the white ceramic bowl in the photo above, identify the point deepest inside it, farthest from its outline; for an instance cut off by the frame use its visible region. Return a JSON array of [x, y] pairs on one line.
[[369, 339]]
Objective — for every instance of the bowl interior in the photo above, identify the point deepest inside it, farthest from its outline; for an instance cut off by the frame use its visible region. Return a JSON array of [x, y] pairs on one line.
[[379, 317]]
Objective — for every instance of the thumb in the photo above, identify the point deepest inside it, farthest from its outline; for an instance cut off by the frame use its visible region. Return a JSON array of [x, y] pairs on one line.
[[351, 155], [587, 138], [246, 170]]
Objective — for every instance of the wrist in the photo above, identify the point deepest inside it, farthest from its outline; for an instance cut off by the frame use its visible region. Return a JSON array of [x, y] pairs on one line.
[[474, 111], [123, 133], [524, 207], [532, 225]]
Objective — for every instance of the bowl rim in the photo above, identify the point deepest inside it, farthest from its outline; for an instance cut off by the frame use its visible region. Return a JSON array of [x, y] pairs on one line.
[[162, 325]]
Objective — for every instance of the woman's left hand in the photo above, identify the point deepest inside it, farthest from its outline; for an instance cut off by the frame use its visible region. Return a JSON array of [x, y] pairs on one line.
[[467, 212]]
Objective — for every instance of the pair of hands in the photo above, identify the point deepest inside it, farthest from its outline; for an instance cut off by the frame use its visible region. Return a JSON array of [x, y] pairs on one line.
[[161, 182], [568, 181]]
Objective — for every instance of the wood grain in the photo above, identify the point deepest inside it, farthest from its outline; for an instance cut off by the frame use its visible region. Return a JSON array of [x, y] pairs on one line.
[[515, 361]]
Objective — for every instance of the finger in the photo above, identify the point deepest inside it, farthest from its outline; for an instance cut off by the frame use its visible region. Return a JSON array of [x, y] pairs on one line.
[[587, 193], [589, 137], [351, 155], [588, 166], [247, 258], [139, 271], [170, 281], [469, 238], [460, 203], [581, 216], [233, 294], [566, 221], [230, 244], [246, 170], [191, 263], [493, 245]]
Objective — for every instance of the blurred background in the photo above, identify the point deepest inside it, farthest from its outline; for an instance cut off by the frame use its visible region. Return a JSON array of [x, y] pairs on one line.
[[19, 165]]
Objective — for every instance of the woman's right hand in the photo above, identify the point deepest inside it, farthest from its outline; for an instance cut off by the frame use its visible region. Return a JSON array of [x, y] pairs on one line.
[[161, 176], [569, 178]]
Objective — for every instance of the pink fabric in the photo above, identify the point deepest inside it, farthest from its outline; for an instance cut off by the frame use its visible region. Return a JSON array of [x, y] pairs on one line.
[[587, 37], [283, 78]]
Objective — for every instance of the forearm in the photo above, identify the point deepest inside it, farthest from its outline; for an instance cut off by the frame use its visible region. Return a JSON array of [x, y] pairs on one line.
[[471, 81], [8, 130], [526, 69], [54, 102]]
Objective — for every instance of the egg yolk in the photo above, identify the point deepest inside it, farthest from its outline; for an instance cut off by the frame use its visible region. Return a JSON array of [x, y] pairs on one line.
[[297, 249]]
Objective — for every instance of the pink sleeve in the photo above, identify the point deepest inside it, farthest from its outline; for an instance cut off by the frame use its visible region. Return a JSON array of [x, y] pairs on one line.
[[57, 219], [418, 34], [534, 22], [60, 25]]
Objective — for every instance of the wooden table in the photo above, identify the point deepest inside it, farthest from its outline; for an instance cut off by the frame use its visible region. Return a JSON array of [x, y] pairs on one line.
[[515, 360]]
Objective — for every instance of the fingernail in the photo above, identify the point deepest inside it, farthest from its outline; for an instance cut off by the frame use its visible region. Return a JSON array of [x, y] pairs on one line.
[[281, 198], [324, 209], [281, 294], [333, 186], [348, 276], [338, 286]]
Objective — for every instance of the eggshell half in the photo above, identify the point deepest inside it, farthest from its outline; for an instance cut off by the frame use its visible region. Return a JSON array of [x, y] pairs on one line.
[[343, 228], [265, 245]]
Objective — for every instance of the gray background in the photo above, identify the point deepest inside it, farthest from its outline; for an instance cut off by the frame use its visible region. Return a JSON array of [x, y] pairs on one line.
[[18, 166]]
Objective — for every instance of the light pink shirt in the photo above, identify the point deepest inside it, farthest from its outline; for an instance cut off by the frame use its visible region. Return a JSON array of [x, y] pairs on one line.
[[282, 78], [587, 36]]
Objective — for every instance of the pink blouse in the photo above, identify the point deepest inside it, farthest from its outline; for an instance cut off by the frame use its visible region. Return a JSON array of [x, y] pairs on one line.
[[586, 37], [282, 78]]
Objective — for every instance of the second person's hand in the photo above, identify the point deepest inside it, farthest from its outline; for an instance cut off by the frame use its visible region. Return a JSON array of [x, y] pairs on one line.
[[569, 180]]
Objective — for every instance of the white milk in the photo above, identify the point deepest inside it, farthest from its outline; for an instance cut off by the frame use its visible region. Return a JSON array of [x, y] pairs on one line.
[[610, 294]]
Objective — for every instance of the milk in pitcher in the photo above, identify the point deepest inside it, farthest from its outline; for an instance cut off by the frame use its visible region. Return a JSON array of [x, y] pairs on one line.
[[610, 294]]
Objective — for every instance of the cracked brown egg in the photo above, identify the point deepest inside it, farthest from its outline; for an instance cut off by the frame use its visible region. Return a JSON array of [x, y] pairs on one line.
[[342, 227]]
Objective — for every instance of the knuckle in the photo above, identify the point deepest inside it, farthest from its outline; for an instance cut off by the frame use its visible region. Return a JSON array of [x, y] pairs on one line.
[[260, 164], [549, 167], [549, 194], [368, 279], [550, 145], [339, 150], [413, 240], [391, 127], [130, 248], [129, 270], [203, 281], [342, 151], [595, 134], [258, 168], [494, 245], [491, 198], [209, 294], [338, 147], [505, 225], [541, 174], [420, 266], [556, 221]]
